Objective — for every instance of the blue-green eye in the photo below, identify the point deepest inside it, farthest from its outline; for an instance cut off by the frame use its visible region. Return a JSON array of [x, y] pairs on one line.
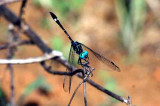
[[86, 53], [83, 55]]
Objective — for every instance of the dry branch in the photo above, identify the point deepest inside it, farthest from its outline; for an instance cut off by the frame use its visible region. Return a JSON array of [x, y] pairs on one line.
[[46, 57]]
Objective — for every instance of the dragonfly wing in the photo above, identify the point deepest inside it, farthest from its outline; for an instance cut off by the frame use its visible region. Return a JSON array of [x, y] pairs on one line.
[[106, 61], [68, 79]]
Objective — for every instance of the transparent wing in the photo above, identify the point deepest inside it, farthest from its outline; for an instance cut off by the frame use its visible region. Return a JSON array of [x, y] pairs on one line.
[[68, 79], [106, 61]]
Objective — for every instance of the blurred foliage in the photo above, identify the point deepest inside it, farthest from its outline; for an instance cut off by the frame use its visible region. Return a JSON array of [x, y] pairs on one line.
[[58, 43], [131, 14], [111, 85], [3, 98], [62, 6], [45, 23], [40, 82]]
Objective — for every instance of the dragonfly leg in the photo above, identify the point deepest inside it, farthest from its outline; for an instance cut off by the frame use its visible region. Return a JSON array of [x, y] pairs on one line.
[[80, 62], [90, 71]]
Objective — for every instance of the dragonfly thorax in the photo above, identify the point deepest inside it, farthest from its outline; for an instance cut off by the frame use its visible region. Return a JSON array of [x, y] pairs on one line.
[[77, 47]]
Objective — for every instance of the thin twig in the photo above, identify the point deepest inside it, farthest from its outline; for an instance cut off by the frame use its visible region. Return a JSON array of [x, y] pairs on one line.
[[75, 93], [11, 51], [48, 69], [12, 85], [85, 93], [15, 44], [52, 55]]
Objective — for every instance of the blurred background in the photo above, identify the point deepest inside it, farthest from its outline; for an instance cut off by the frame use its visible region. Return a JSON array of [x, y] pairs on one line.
[[125, 31]]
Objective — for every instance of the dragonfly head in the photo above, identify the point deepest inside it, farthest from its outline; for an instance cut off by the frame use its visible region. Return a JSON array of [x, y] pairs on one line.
[[83, 55]]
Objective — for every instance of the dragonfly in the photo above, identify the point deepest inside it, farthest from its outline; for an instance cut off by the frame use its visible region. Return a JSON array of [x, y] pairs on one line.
[[78, 48]]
